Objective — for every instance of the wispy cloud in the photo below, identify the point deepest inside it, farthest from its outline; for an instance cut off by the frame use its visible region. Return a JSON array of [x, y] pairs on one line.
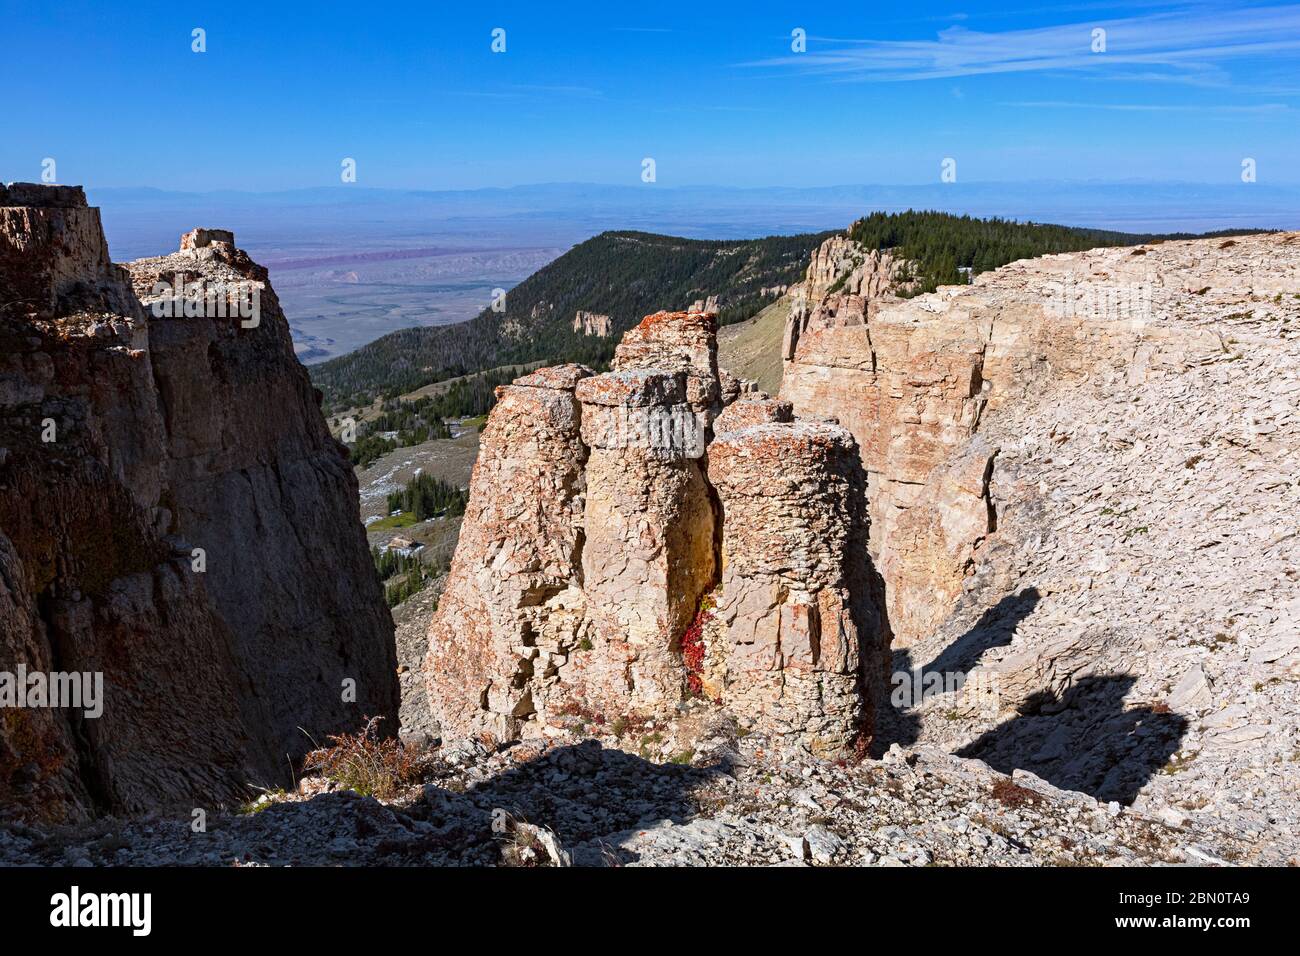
[[561, 90], [714, 108], [1188, 43]]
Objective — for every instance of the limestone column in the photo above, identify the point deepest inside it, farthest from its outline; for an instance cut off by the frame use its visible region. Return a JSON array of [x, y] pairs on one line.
[[795, 605], [496, 647], [649, 523]]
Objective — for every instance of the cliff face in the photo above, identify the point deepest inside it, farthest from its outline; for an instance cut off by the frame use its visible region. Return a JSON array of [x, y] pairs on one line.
[[1081, 479], [910, 387], [914, 381], [595, 528], [911, 393], [256, 480], [128, 441], [842, 283], [593, 323]]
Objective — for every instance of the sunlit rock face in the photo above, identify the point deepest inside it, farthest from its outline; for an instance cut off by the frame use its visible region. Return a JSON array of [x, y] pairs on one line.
[[594, 535], [799, 627]]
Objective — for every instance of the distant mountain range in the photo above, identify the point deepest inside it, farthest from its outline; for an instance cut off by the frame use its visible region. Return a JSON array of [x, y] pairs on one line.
[[143, 221]]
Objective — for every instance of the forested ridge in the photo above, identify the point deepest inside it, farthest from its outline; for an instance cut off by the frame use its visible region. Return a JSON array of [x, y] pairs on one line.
[[939, 246], [628, 275], [625, 275], [405, 422]]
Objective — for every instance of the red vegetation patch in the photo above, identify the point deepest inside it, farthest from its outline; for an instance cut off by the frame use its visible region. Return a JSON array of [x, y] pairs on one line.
[[1012, 794], [580, 711], [861, 745], [372, 765], [692, 646]]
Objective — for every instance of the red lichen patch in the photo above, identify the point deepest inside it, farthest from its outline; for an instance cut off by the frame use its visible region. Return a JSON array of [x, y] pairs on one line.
[[633, 387], [746, 412], [659, 318], [652, 325], [783, 442]]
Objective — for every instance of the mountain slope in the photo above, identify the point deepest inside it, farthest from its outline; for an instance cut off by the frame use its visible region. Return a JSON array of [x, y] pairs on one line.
[[752, 349], [624, 275]]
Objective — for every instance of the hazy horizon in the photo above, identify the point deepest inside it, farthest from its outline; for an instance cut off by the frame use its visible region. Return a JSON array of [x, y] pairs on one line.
[[1136, 206], [353, 264]]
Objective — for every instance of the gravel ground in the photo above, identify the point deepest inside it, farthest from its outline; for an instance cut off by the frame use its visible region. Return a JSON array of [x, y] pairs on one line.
[[720, 799]]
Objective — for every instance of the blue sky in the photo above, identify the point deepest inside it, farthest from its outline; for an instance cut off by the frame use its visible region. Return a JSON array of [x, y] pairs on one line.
[[713, 92]]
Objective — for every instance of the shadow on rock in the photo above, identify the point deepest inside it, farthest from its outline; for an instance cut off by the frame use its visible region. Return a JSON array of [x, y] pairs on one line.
[[896, 720], [995, 628], [584, 794], [1086, 740]]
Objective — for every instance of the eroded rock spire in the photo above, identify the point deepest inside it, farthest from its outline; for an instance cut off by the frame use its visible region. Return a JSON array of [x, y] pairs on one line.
[[601, 521]]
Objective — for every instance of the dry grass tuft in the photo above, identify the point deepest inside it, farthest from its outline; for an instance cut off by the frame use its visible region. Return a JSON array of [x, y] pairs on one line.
[[371, 765]]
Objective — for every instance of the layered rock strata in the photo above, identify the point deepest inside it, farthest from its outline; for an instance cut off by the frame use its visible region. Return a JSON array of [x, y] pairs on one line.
[[912, 392], [910, 388], [612, 469], [173, 518], [798, 625]]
